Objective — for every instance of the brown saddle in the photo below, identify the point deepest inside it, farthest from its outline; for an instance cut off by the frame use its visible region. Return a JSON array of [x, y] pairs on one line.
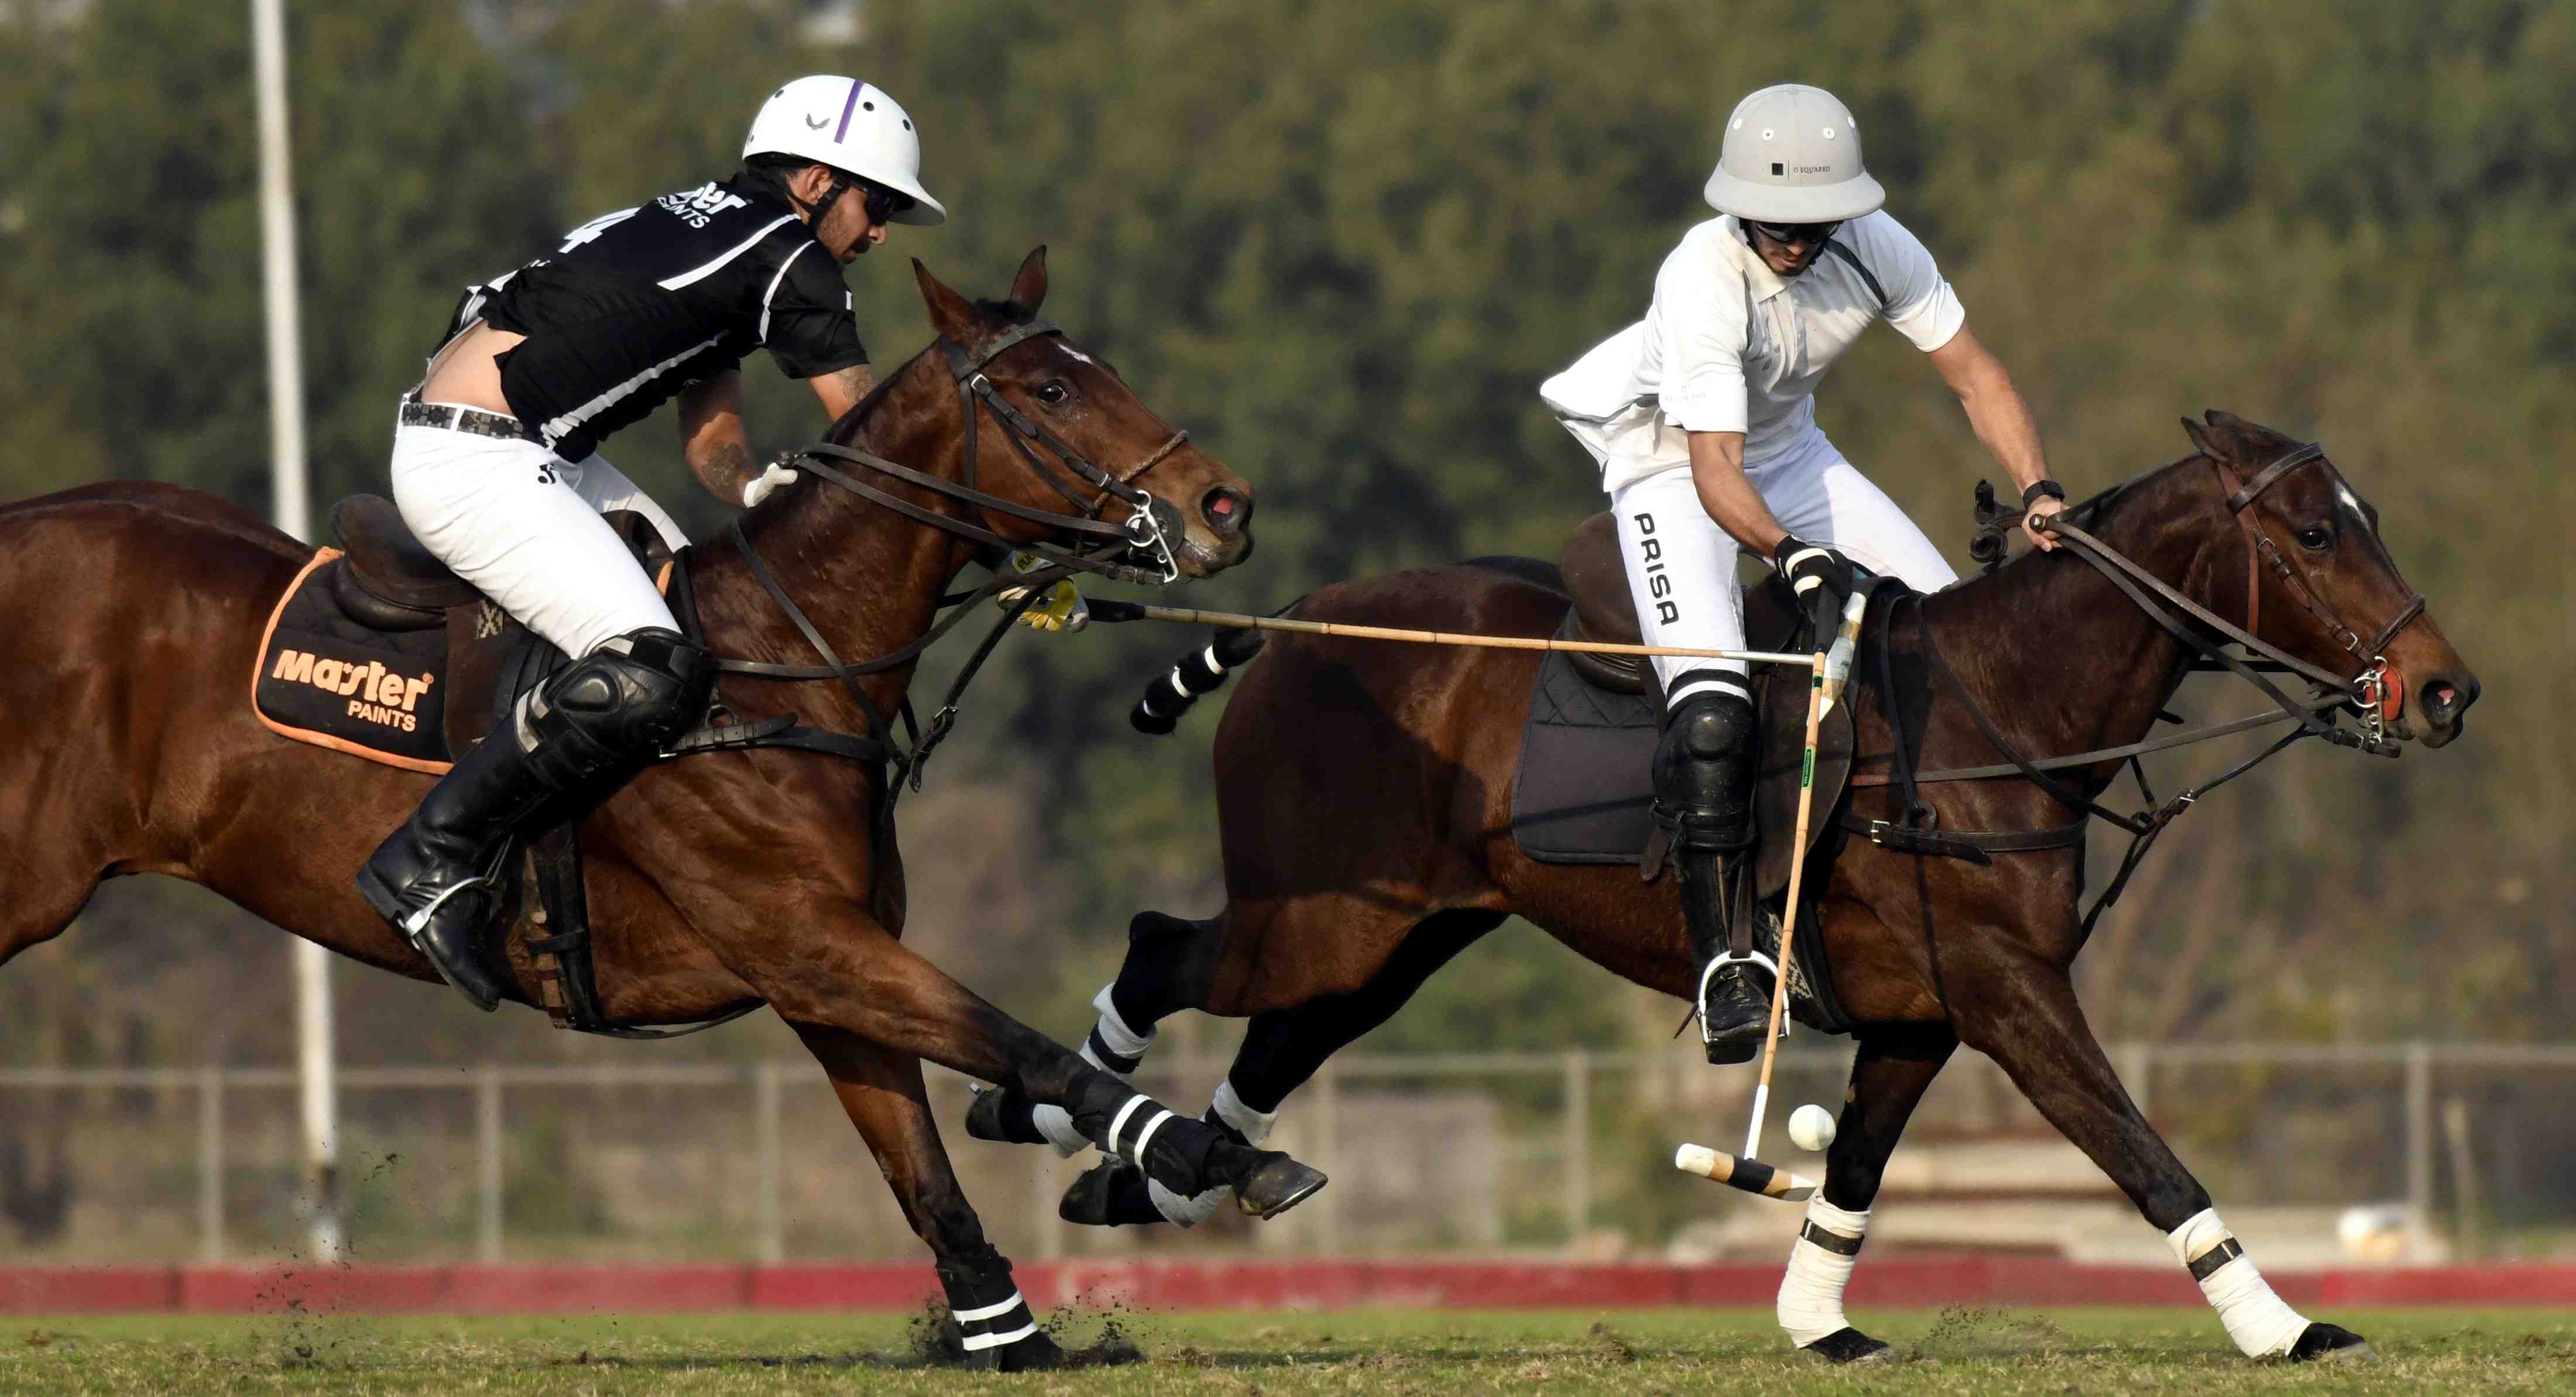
[[1603, 610]]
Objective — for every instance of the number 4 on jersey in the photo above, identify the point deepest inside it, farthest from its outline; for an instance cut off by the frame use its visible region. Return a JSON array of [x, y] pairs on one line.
[[595, 227]]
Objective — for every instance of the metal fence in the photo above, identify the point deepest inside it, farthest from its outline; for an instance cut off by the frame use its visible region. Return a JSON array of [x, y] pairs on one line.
[[1565, 1152]]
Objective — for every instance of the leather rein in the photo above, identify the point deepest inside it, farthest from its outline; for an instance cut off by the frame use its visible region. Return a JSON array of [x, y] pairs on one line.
[[2370, 692], [1101, 548]]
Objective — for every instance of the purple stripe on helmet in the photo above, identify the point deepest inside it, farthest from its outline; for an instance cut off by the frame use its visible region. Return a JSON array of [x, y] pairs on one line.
[[846, 108]]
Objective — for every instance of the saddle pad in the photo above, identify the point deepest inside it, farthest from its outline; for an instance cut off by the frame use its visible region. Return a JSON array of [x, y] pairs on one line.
[[1583, 793], [330, 681]]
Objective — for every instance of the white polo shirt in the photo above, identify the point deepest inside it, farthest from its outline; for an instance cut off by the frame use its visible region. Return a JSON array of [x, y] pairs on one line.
[[1730, 346]]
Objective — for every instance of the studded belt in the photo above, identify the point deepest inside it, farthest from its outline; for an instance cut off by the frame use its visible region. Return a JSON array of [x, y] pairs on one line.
[[472, 421]]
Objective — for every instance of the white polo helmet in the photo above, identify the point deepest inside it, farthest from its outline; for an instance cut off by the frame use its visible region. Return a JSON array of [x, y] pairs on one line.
[[849, 125], [1792, 155]]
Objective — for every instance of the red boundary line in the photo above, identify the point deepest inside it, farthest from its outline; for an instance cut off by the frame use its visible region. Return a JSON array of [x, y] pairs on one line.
[[1896, 1281]]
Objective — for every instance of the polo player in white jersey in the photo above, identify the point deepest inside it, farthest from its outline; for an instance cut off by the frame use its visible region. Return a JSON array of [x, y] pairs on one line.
[[1703, 419]]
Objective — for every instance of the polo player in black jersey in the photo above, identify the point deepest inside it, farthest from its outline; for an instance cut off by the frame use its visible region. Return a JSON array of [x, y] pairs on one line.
[[496, 467]]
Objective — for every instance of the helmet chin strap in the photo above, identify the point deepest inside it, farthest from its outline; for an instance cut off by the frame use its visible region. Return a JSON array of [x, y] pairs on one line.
[[819, 209]]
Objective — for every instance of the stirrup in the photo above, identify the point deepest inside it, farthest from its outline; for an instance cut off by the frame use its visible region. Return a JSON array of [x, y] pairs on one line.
[[1699, 1004]]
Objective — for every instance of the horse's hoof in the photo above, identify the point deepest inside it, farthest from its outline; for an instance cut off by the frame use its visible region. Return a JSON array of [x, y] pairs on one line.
[[2330, 1343], [1033, 1354], [1278, 1185], [1109, 1195], [1849, 1345], [990, 1116]]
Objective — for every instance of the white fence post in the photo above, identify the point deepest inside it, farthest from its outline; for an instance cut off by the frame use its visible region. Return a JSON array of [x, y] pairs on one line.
[[1328, 1146], [2419, 1148], [488, 1144], [773, 1165], [1578, 1145], [210, 1164]]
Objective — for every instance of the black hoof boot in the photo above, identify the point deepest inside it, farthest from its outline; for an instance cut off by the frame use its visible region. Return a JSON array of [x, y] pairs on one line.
[[2330, 1343], [1276, 1185], [1109, 1195], [1849, 1345], [1002, 1115], [1736, 1013]]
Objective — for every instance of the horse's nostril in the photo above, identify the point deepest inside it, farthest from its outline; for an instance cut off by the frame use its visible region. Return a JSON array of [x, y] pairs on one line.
[[1226, 510], [2443, 696]]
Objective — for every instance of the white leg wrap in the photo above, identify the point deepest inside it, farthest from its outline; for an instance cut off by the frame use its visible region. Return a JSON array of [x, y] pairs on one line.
[[1056, 1123], [1187, 1212], [1122, 1040], [2262, 1325], [1254, 1126], [1811, 1294]]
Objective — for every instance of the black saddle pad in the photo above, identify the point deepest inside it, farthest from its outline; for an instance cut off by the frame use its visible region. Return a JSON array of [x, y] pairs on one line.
[[1583, 794], [413, 698]]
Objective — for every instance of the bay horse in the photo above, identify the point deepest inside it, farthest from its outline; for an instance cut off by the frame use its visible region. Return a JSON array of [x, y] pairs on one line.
[[1364, 796], [715, 880]]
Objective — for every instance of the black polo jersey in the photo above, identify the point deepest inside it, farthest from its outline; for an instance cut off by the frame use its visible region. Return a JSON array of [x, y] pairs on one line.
[[638, 304]]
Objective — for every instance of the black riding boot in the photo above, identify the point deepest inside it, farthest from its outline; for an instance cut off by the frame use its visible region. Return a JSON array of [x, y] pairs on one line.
[[439, 878], [1703, 776], [581, 736]]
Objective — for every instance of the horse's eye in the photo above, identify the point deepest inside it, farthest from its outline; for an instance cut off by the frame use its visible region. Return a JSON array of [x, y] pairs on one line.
[[2316, 539], [1053, 393]]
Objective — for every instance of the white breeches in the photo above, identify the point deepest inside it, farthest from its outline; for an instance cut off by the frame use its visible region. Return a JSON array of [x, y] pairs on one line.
[[1681, 565], [523, 526]]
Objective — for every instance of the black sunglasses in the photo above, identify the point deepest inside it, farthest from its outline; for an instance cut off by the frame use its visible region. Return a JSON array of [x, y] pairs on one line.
[[1810, 234], [883, 203]]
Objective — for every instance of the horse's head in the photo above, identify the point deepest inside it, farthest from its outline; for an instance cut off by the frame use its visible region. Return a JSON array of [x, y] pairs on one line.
[[2325, 589], [1081, 438]]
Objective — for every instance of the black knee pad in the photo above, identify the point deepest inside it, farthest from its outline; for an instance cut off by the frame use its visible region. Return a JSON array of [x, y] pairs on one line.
[[617, 706], [1703, 771]]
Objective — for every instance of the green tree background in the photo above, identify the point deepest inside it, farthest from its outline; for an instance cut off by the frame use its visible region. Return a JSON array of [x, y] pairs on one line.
[[1342, 242]]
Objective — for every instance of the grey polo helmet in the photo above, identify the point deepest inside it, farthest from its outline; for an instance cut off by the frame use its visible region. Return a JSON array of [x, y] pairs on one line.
[[1792, 155]]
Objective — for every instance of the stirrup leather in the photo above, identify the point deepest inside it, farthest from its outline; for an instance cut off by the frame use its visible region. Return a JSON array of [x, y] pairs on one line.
[[1699, 1005]]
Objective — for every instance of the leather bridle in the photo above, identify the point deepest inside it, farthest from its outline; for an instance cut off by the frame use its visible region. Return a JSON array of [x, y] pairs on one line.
[[1107, 554], [2379, 699]]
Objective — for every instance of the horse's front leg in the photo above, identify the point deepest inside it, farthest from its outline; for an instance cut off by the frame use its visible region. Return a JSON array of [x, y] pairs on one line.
[[857, 978], [2021, 1011], [882, 1091], [1888, 1079]]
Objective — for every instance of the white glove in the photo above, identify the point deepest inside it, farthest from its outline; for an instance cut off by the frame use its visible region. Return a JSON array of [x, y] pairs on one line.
[[765, 482]]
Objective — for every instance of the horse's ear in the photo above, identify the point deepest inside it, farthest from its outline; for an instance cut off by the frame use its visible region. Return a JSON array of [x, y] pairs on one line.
[[2205, 441], [1029, 287], [950, 315]]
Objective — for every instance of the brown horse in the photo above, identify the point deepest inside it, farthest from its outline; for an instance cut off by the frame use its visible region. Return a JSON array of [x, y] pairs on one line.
[[716, 880], [1364, 793]]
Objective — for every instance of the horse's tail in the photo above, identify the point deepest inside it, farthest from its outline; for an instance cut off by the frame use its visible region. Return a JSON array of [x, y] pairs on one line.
[[1202, 671]]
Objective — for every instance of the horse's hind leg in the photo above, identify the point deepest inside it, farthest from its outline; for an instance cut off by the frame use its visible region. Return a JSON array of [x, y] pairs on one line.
[[44, 882], [2023, 1014], [1170, 962], [1888, 1079], [861, 980], [882, 1091], [1281, 1050]]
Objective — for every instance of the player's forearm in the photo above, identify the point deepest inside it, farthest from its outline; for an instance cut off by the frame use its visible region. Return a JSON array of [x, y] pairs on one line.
[[1717, 469], [722, 463], [2003, 423]]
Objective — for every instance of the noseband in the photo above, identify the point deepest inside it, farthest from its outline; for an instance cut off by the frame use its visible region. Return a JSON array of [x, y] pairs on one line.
[[2379, 697], [1139, 534]]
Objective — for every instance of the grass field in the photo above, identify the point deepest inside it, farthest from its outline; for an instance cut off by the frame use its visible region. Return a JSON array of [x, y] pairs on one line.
[[1649, 1353]]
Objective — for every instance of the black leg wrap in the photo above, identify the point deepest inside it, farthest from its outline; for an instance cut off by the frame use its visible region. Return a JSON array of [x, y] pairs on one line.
[[1109, 1195], [1119, 1119], [994, 1326]]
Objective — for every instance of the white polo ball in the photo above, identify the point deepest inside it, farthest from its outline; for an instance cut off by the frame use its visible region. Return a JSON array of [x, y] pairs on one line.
[[1811, 1127]]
